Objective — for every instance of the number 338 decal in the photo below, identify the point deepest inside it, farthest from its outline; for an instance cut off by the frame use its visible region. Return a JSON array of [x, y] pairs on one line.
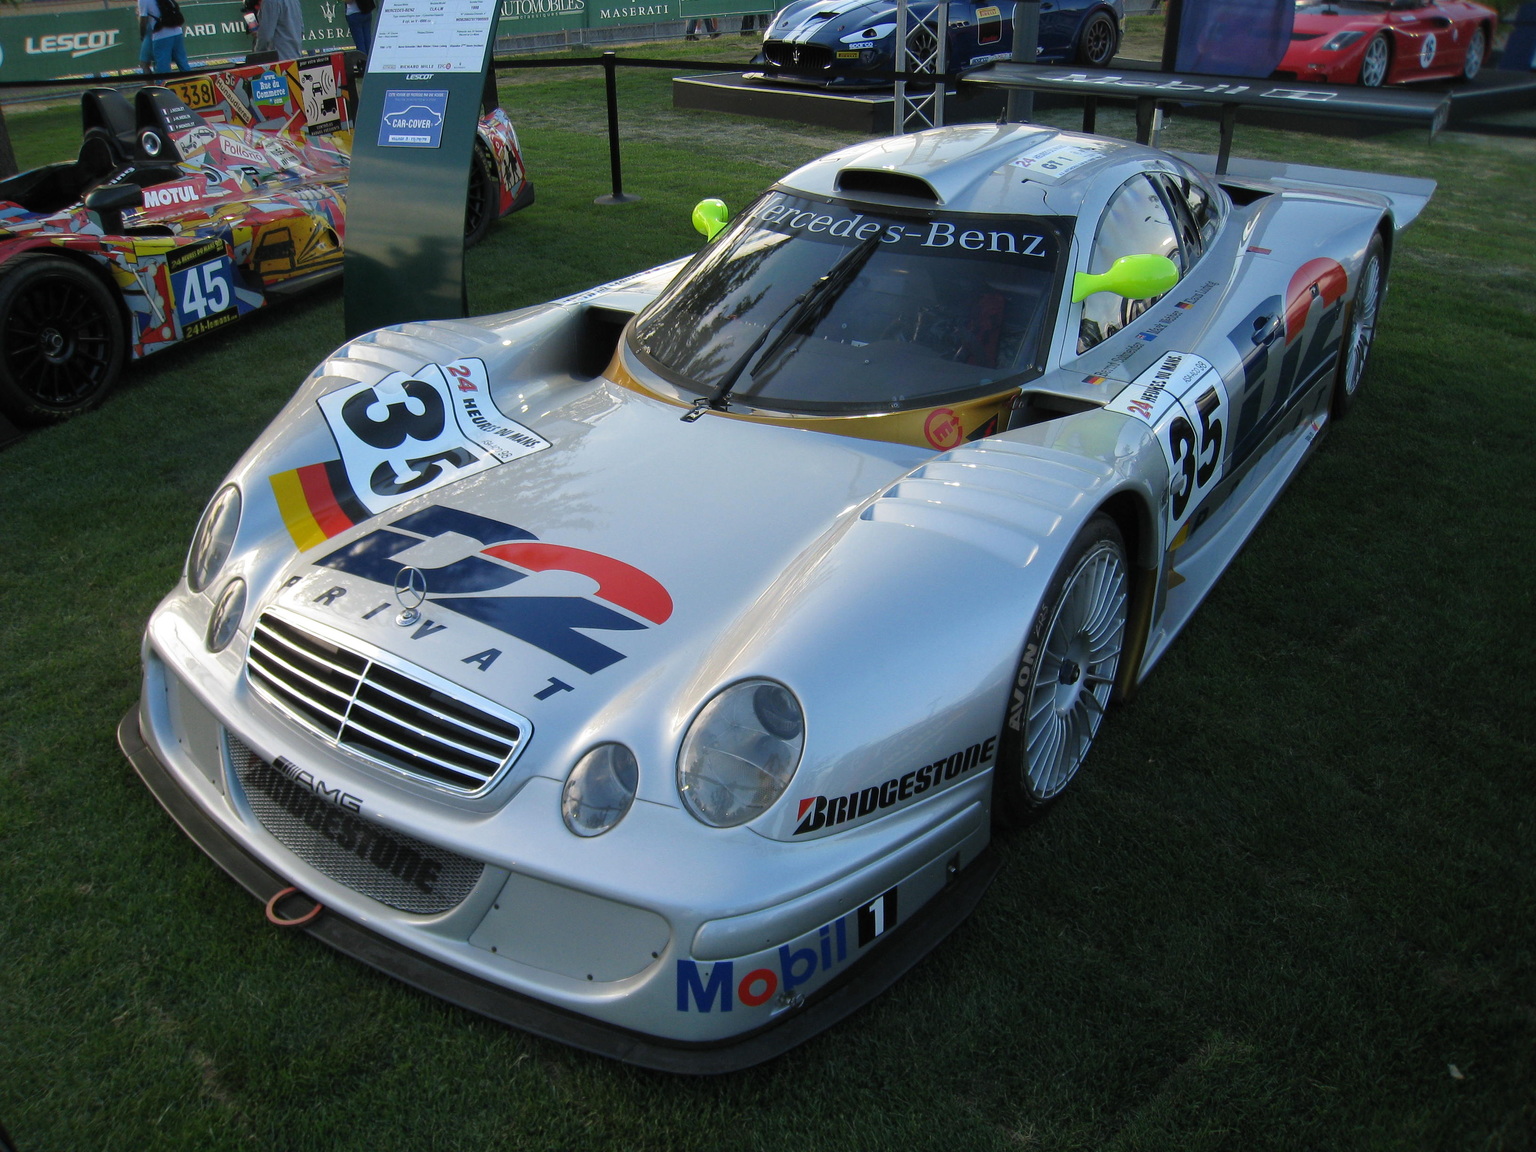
[[1184, 400], [416, 431]]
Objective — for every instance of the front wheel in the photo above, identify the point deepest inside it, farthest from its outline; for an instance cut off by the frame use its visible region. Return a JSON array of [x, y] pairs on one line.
[[1360, 327], [1065, 675], [61, 339], [1376, 61], [1099, 41]]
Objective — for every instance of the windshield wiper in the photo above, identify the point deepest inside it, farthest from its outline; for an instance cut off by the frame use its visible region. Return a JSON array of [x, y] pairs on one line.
[[807, 308]]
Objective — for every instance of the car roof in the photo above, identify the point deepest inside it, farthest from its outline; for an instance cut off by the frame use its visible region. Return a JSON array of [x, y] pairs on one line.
[[1010, 169]]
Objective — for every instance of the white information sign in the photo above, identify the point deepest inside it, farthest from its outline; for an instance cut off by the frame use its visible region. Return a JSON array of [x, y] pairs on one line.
[[429, 36]]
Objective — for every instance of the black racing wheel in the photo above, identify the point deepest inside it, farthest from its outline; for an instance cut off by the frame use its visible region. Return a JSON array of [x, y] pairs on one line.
[[61, 339]]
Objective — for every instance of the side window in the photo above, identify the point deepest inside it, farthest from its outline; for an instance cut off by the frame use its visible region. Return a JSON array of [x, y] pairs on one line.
[[1135, 222], [1196, 215]]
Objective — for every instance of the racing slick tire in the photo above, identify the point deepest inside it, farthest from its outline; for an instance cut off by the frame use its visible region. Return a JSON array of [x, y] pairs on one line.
[[1065, 675], [484, 194], [1376, 61], [1477, 47], [1360, 320], [1099, 41], [61, 339]]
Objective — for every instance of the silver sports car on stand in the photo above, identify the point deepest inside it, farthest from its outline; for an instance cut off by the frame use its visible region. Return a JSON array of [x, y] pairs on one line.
[[648, 669]]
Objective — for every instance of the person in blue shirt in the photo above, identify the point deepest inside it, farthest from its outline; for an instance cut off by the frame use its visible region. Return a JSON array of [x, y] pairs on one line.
[[167, 45]]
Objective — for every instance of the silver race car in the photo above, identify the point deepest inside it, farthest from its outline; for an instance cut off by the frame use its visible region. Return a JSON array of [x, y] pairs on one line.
[[648, 669]]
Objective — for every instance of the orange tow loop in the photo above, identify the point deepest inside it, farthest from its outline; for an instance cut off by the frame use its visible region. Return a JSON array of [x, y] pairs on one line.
[[299, 922]]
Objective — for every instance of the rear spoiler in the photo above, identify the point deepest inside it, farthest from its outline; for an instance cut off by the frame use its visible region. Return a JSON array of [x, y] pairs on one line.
[[1230, 93], [1406, 194]]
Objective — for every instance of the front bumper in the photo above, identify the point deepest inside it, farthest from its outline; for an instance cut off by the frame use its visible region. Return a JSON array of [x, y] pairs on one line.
[[858, 983]]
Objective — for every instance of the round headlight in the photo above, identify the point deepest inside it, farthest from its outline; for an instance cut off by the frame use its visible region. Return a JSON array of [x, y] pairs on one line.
[[600, 790], [225, 621], [214, 537], [740, 753]]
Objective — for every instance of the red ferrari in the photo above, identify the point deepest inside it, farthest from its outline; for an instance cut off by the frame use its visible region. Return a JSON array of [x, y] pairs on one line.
[[1376, 42]]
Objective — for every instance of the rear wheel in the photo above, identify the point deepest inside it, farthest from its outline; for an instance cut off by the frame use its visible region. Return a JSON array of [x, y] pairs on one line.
[[481, 204], [61, 339], [1376, 61], [1360, 327], [1099, 41], [1476, 47], [1065, 675]]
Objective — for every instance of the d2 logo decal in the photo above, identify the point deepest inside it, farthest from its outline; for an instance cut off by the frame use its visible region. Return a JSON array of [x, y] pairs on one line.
[[549, 623]]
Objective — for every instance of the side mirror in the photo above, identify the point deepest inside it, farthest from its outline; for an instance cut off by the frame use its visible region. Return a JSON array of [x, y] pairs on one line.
[[1134, 277], [710, 216], [108, 203]]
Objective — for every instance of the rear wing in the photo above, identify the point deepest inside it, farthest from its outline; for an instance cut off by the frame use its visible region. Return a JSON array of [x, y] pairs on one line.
[[1230, 93], [1407, 195]]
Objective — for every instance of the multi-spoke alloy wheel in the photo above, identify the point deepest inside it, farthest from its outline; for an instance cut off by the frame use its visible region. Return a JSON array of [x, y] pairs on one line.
[[61, 339], [1360, 328], [1096, 47], [1066, 674], [1378, 55]]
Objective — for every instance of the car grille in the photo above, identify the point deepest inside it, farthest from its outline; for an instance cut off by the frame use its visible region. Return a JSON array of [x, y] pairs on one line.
[[377, 711], [378, 862], [797, 57]]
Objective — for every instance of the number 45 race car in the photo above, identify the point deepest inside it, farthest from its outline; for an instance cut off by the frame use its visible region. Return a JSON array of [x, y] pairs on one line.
[[185, 210], [648, 669]]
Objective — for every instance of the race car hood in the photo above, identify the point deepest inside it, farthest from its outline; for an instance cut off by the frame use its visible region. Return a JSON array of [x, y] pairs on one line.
[[608, 579], [807, 21]]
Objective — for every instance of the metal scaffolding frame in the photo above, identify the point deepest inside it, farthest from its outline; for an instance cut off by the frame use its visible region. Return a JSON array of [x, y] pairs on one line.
[[920, 48]]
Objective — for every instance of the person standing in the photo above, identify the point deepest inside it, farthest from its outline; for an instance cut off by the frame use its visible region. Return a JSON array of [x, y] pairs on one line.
[[279, 28], [168, 44], [710, 26], [360, 20]]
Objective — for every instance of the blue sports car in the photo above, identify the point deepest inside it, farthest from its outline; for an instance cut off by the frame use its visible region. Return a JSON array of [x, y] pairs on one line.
[[828, 45]]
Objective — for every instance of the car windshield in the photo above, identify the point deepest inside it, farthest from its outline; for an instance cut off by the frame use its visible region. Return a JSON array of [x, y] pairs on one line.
[[809, 305]]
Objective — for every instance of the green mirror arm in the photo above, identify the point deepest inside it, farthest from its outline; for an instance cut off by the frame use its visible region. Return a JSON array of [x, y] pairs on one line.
[[710, 216], [1139, 277]]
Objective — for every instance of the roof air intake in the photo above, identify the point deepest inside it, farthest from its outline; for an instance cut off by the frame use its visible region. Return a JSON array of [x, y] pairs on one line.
[[856, 180]]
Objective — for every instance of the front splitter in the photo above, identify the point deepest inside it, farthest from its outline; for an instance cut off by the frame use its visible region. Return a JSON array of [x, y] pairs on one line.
[[905, 946]]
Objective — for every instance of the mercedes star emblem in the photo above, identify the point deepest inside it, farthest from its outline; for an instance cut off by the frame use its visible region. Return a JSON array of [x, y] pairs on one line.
[[410, 592]]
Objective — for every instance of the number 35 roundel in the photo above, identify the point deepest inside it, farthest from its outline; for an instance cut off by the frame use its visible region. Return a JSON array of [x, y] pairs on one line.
[[1184, 400], [416, 431]]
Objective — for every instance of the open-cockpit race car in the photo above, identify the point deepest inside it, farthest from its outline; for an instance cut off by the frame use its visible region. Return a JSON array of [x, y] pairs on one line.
[[187, 208], [647, 669]]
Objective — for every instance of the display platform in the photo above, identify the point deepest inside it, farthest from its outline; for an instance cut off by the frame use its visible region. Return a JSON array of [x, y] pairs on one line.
[[872, 112], [1475, 106]]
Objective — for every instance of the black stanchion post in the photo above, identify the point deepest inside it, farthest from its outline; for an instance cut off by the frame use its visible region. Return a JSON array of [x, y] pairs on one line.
[[1026, 40], [611, 81], [1173, 14]]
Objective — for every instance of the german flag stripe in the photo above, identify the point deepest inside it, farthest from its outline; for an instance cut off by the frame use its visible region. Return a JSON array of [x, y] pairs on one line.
[[316, 502]]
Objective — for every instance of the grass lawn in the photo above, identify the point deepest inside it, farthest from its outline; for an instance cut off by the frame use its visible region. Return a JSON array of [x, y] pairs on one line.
[[1291, 903]]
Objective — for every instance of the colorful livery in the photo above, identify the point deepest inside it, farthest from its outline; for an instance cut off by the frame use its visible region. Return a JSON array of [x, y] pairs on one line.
[[187, 207]]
